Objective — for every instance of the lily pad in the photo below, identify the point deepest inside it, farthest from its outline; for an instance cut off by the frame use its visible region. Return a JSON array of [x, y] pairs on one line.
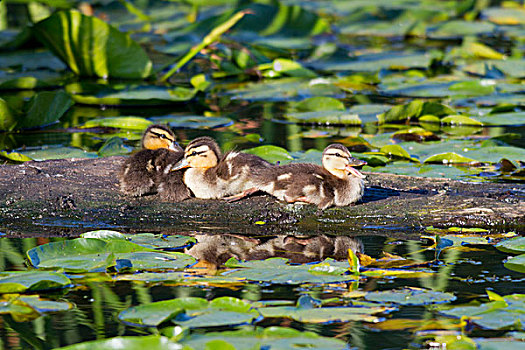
[[516, 263], [450, 158], [515, 245], [278, 270], [270, 153], [500, 313], [47, 153], [22, 281], [194, 122], [90, 46], [410, 296], [25, 308], [191, 312], [129, 123], [326, 314], [333, 117], [320, 103], [460, 120], [376, 62], [90, 254], [150, 342], [148, 240], [265, 338], [132, 95]]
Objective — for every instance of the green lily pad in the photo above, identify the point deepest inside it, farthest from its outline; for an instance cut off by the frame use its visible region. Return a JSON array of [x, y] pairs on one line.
[[132, 95], [148, 240], [320, 103], [29, 307], [414, 109], [150, 342], [194, 122], [264, 338], [500, 313], [112, 147], [516, 263], [460, 28], [333, 117], [278, 270], [270, 153], [90, 46], [515, 245], [29, 81], [515, 118], [450, 158], [410, 296], [502, 15], [460, 120], [47, 153], [326, 314], [22, 281], [191, 312], [15, 156], [397, 151], [90, 254], [514, 68], [376, 62], [129, 123]]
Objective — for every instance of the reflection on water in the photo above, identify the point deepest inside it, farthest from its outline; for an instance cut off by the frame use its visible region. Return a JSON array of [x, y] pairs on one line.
[[217, 249]]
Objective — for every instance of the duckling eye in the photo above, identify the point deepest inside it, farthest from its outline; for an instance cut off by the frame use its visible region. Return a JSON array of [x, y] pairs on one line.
[[194, 153]]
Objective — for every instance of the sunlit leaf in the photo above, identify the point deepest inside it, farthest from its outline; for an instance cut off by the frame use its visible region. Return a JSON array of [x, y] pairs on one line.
[[91, 47], [320, 103], [191, 312], [326, 314], [410, 296], [150, 342], [270, 337], [460, 120], [194, 121], [396, 151], [334, 117], [449, 158], [516, 263], [272, 154], [130, 123], [21, 281], [514, 245], [278, 270], [148, 240]]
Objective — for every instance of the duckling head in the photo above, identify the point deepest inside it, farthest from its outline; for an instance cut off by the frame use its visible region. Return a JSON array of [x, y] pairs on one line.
[[159, 136], [202, 153], [339, 161]]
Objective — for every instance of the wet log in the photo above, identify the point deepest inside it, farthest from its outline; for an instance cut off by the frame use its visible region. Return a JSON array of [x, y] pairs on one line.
[[68, 197]]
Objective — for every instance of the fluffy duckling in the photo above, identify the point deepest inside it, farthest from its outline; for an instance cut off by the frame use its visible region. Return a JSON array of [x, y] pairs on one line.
[[335, 183], [143, 172], [213, 175]]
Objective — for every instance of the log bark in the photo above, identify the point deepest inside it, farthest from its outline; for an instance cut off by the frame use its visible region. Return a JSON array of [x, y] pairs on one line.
[[68, 197]]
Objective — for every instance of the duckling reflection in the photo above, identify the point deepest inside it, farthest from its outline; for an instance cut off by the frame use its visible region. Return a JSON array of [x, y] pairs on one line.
[[217, 249], [144, 172]]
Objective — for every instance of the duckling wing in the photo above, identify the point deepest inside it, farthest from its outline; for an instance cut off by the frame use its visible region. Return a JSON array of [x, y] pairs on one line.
[[137, 175], [171, 186]]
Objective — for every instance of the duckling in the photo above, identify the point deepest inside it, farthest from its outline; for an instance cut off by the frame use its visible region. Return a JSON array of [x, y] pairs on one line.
[[213, 175], [142, 173], [335, 183]]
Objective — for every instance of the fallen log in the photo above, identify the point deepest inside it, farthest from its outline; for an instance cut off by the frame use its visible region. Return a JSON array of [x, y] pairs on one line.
[[68, 197]]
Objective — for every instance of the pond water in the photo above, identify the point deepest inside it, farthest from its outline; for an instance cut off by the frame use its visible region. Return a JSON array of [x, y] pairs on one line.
[[462, 273], [424, 88]]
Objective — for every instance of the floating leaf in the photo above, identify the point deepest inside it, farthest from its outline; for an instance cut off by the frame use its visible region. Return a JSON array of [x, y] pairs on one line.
[[376, 62], [112, 147], [414, 109], [22, 281], [15, 156], [460, 28], [194, 122], [333, 117], [278, 270], [410, 296], [460, 120], [514, 245], [396, 151], [130, 123], [47, 153], [450, 158], [150, 342], [500, 314], [516, 263], [29, 307], [272, 154], [265, 338], [191, 312], [148, 240], [320, 103], [90, 46], [90, 254], [131, 96], [326, 314]]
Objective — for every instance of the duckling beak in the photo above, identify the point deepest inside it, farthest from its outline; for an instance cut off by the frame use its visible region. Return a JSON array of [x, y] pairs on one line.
[[174, 146], [181, 164], [355, 162]]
